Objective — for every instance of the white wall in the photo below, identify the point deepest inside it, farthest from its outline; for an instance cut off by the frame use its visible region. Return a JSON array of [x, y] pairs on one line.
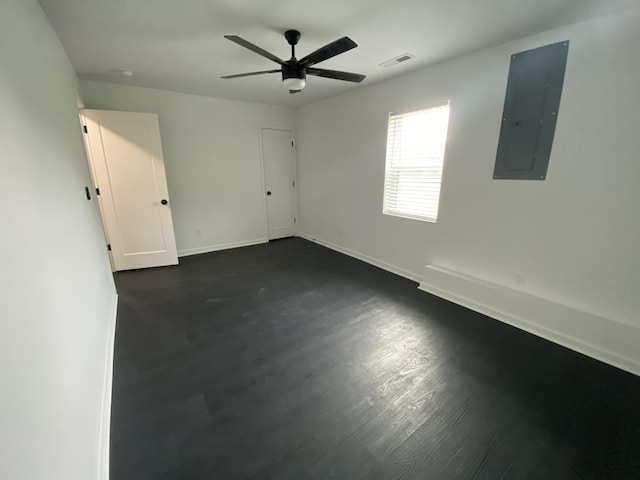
[[573, 239], [212, 156], [58, 297]]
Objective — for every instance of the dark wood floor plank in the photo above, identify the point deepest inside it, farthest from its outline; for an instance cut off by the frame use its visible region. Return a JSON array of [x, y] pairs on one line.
[[290, 361]]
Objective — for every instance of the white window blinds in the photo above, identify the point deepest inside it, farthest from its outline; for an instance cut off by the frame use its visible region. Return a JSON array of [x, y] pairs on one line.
[[415, 154]]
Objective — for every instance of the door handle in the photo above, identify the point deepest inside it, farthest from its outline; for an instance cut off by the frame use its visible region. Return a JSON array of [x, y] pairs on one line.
[[163, 201], [268, 193]]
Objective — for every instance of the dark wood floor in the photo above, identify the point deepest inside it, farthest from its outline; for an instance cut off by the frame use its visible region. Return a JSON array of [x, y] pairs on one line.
[[291, 361]]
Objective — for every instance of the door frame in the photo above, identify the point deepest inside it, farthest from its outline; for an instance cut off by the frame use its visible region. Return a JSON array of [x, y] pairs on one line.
[[90, 160], [263, 178]]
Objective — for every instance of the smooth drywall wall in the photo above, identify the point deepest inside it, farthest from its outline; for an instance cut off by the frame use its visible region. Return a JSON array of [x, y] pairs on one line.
[[211, 151], [573, 238], [57, 290]]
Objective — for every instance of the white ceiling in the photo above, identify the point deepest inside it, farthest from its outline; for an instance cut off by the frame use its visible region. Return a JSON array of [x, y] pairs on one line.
[[179, 45]]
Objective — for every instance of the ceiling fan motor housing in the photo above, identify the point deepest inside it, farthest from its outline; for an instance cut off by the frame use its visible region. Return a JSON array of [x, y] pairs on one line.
[[293, 70]]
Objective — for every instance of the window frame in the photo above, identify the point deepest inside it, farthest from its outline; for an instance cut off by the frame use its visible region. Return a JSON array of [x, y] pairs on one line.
[[399, 213]]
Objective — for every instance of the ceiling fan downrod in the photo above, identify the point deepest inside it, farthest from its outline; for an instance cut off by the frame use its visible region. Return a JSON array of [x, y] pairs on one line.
[[293, 37]]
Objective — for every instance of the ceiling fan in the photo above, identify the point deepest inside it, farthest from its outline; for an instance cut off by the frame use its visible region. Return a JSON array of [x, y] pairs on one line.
[[294, 71]]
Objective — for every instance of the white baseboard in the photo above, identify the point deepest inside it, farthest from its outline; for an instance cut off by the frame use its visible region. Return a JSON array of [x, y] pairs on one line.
[[605, 339], [222, 246], [365, 258], [105, 408]]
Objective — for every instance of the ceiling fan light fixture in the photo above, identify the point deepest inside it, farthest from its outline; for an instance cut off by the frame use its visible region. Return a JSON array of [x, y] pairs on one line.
[[293, 83]]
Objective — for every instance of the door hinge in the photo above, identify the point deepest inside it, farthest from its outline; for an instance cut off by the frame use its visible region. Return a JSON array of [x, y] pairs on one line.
[[109, 246], [97, 191], [86, 130], [294, 219], [292, 143], [294, 183]]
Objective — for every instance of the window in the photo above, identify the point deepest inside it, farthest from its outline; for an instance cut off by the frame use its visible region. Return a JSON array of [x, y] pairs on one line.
[[415, 154]]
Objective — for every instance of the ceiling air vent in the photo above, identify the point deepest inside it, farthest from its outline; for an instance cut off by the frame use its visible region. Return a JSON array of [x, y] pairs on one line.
[[399, 59]]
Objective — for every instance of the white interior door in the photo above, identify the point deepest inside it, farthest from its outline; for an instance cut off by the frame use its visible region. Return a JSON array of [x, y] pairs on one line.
[[279, 172], [126, 157]]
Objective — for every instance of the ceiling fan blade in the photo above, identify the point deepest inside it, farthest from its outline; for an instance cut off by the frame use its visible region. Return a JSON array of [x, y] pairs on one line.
[[341, 45], [254, 48], [295, 91], [347, 76], [250, 74]]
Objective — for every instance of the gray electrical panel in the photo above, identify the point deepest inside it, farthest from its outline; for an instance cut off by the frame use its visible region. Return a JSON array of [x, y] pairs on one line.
[[530, 112]]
